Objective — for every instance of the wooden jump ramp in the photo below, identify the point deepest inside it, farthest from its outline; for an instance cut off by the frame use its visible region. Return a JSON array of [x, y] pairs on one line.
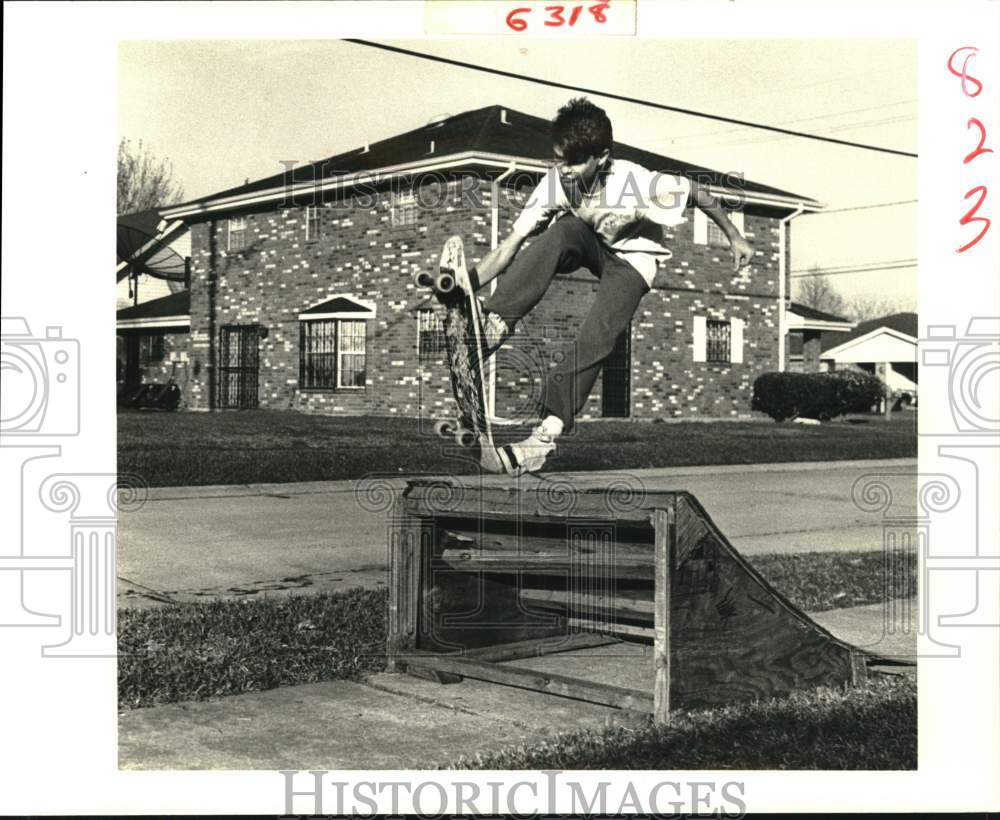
[[484, 577]]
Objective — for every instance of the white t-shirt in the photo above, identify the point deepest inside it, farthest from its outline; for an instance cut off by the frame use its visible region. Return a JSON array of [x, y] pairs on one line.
[[628, 211]]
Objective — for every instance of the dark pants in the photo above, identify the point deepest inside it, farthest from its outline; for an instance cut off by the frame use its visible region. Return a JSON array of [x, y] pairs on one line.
[[568, 244]]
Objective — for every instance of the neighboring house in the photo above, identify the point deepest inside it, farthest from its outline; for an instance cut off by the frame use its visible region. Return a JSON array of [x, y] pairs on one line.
[[153, 341], [302, 293], [807, 328], [886, 347], [153, 257]]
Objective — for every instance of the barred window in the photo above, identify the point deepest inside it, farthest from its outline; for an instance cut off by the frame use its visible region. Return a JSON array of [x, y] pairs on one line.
[[237, 233], [312, 222], [151, 348], [404, 209], [430, 334], [718, 341], [332, 354], [716, 236]]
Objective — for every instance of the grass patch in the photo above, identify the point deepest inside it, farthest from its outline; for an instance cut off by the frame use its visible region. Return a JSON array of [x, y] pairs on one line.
[[200, 651], [267, 446], [873, 727], [818, 581], [205, 650]]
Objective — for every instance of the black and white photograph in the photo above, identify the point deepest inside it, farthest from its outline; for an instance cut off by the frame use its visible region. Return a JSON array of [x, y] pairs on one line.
[[508, 387]]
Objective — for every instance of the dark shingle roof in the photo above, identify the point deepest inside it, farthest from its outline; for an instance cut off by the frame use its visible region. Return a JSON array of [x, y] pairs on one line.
[[480, 130], [176, 304], [900, 322], [807, 312]]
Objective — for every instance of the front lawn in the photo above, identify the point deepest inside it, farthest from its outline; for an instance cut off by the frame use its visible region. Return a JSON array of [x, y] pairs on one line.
[[266, 446], [205, 650]]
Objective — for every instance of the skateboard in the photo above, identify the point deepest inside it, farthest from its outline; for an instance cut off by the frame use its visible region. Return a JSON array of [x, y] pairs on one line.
[[463, 330]]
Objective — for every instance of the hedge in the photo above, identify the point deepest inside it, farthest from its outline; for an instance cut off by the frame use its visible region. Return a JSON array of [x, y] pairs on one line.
[[816, 395]]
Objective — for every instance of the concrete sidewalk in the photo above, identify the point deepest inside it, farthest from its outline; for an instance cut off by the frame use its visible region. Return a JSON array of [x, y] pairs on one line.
[[200, 543], [394, 721]]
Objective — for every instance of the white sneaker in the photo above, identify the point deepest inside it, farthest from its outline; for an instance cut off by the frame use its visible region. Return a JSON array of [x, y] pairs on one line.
[[529, 455]]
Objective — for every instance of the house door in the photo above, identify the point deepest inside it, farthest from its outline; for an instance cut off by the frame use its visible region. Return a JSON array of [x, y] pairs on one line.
[[615, 393], [132, 375], [238, 367]]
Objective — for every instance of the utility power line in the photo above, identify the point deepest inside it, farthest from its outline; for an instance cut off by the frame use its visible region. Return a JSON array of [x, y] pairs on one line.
[[841, 271], [860, 207], [690, 112], [789, 122]]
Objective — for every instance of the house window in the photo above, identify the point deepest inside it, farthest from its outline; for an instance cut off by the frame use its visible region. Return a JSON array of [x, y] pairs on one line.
[[718, 342], [151, 348], [706, 232], [430, 335], [332, 354], [312, 222], [404, 209], [237, 233]]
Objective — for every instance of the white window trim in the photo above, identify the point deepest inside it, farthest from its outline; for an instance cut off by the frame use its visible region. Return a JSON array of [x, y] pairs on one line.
[[313, 212], [341, 353], [403, 199], [368, 312], [700, 334], [239, 224]]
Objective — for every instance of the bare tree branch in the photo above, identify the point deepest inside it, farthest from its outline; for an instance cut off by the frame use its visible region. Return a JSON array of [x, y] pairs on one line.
[[143, 180]]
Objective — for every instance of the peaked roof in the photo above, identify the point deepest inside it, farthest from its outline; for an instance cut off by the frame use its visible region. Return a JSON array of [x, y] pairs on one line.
[[338, 304], [493, 130], [176, 304], [905, 323]]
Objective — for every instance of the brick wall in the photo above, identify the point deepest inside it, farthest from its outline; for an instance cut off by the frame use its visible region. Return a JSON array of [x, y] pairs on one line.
[[360, 253]]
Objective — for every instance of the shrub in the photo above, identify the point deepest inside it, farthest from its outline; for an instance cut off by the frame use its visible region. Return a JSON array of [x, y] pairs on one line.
[[816, 395]]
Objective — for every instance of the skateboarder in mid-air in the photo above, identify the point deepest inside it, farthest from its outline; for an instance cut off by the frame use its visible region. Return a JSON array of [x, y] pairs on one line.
[[596, 212]]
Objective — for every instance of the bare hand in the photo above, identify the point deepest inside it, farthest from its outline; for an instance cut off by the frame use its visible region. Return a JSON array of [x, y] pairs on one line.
[[742, 252]]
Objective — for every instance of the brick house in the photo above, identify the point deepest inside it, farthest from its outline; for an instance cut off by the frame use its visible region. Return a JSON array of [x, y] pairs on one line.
[[152, 295], [302, 293], [808, 331]]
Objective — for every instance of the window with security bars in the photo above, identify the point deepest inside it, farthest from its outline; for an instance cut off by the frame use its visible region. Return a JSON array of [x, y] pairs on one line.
[[151, 348], [332, 354], [404, 209], [430, 335], [237, 240], [718, 341], [312, 222]]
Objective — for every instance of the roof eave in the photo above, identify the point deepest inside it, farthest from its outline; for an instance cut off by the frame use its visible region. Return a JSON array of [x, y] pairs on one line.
[[488, 159]]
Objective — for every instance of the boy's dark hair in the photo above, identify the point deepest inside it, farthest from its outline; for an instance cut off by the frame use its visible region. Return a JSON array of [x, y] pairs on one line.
[[581, 130]]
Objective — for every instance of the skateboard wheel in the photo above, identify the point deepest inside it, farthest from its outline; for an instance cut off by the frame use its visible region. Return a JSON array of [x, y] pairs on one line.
[[423, 280], [464, 438], [444, 428], [444, 283]]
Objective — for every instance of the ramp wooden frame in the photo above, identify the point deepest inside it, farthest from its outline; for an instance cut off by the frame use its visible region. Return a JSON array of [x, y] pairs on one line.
[[481, 577]]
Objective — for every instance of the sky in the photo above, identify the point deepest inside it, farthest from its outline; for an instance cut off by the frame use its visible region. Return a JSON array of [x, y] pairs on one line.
[[227, 111]]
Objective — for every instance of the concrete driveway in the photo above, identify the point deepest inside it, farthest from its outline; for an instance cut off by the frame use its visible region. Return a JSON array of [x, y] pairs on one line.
[[196, 543]]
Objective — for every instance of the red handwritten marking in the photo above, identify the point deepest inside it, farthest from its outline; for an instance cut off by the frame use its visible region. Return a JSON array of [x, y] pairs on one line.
[[970, 217], [982, 141], [964, 73], [556, 18], [598, 12], [514, 20]]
